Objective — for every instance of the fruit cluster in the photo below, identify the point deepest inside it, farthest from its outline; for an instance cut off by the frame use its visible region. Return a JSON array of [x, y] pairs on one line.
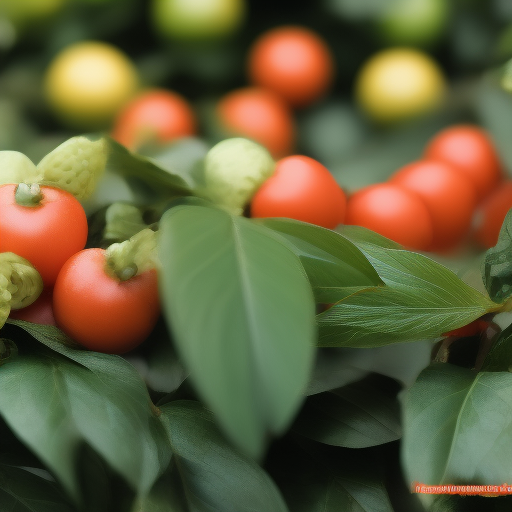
[[431, 204]]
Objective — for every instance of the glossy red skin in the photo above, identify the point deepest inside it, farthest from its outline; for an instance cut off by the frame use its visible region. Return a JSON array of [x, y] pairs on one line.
[[294, 62], [155, 115], [448, 195], [393, 212], [46, 235], [260, 115], [100, 312], [473, 329], [470, 149], [491, 213], [39, 312], [303, 189]]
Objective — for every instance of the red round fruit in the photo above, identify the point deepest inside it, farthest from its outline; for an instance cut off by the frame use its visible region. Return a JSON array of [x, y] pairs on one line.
[[471, 151], [100, 312], [39, 312], [46, 234], [448, 195], [392, 212], [155, 115], [259, 115], [294, 62], [491, 213], [303, 189]]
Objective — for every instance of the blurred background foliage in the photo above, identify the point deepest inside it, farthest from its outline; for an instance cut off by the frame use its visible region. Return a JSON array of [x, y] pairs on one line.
[[470, 39]]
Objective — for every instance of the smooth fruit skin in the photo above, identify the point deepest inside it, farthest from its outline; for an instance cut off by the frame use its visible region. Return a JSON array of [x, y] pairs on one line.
[[449, 197], [99, 311], [303, 189], [46, 235], [471, 151], [259, 115], [294, 62], [392, 212], [196, 20], [399, 83], [491, 213], [87, 83], [155, 115], [39, 312]]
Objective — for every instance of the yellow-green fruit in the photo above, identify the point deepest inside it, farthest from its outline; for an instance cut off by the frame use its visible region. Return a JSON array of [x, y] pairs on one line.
[[21, 12], [192, 20], [398, 84], [87, 83], [413, 22]]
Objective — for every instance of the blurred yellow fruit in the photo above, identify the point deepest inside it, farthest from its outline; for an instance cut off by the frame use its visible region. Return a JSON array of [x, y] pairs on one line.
[[414, 22], [191, 20], [398, 84], [87, 83]]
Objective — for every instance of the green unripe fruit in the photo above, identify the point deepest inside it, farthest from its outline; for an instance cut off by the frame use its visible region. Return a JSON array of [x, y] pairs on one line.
[[413, 22], [234, 169], [195, 20]]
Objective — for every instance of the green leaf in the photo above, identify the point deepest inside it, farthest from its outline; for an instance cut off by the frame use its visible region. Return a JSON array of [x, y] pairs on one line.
[[422, 300], [499, 357], [359, 415], [457, 427], [497, 268], [341, 480], [22, 491], [145, 174], [242, 314], [207, 473], [335, 267], [54, 403], [336, 367]]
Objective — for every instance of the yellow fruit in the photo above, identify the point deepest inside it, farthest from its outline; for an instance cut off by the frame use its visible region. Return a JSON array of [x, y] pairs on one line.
[[398, 84], [87, 83], [197, 19]]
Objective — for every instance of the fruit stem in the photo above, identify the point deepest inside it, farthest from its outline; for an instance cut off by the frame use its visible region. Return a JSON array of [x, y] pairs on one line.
[[28, 195]]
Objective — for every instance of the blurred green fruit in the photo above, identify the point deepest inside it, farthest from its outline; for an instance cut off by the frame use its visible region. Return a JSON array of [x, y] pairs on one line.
[[22, 12], [414, 22], [192, 20]]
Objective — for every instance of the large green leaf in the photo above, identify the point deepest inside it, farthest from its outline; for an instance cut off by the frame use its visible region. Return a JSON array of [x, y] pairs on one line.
[[53, 403], [335, 267], [207, 474], [422, 300], [242, 314], [147, 175], [497, 268], [22, 491], [457, 427], [359, 415]]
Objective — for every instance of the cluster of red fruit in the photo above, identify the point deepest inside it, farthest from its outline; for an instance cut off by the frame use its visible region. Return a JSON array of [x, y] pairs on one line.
[[455, 192], [288, 67], [49, 229]]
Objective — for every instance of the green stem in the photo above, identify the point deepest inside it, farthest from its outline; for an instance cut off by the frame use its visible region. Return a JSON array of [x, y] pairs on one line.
[[28, 195]]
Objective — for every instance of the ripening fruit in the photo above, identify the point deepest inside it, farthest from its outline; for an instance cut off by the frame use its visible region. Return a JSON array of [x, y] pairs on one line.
[[155, 115], [398, 84], [196, 20], [294, 62], [87, 83], [392, 212], [303, 189], [447, 194], [491, 213], [469, 149], [260, 115]]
